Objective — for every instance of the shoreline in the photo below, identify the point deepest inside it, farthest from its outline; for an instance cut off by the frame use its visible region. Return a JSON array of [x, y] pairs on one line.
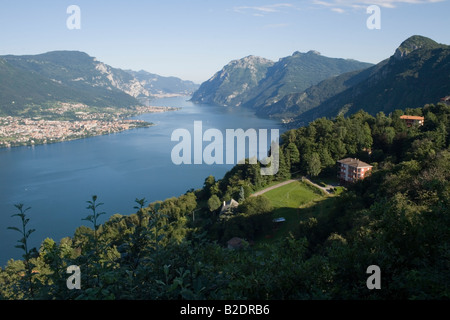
[[27, 132], [72, 138]]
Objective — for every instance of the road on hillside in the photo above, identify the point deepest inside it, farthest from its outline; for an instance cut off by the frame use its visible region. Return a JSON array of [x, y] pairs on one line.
[[325, 189]]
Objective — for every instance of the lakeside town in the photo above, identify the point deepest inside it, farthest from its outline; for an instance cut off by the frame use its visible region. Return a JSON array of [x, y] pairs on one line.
[[83, 123]]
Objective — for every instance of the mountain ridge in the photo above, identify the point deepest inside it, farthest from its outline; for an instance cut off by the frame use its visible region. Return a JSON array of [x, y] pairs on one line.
[[69, 77], [416, 74], [257, 83], [157, 85]]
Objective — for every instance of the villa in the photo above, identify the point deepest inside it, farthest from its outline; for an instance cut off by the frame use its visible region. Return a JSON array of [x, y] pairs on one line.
[[413, 120], [352, 170]]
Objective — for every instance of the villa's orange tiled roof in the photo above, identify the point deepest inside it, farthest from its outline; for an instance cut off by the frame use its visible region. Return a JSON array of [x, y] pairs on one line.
[[356, 163], [412, 118]]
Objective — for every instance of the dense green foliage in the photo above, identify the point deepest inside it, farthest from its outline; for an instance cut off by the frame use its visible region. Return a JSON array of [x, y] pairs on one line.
[[398, 219]]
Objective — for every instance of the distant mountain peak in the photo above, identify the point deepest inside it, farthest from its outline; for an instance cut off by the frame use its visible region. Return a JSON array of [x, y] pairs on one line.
[[414, 43], [250, 60], [235, 79], [310, 52]]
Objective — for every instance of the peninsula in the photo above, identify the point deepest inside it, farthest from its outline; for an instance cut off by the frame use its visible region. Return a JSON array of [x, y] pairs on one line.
[[66, 121]]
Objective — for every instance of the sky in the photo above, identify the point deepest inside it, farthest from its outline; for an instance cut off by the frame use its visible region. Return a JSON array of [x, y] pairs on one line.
[[193, 39]]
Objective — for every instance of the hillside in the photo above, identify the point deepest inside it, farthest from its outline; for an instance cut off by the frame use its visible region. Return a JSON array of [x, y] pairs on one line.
[[68, 76], [39, 81], [417, 73], [157, 85], [78, 70], [296, 74], [296, 104], [258, 83], [20, 88]]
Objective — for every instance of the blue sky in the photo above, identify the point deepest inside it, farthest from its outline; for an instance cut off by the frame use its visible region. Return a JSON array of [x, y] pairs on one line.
[[194, 39]]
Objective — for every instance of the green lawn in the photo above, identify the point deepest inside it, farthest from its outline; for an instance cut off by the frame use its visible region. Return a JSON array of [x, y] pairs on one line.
[[292, 195], [294, 202]]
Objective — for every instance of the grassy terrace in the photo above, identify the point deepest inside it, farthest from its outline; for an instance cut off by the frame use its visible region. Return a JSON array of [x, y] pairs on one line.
[[295, 202], [292, 195]]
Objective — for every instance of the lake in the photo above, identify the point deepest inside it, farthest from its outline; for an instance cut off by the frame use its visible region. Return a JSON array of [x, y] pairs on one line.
[[56, 180]]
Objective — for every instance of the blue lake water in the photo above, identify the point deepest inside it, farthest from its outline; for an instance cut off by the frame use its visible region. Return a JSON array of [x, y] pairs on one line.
[[56, 180]]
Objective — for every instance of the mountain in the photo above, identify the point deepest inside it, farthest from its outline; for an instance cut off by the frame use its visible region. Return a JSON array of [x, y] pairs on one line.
[[19, 88], [298, 104], [259, 83], [416, 74], [305, 86], [295, 74], [158, 86], [75, 77], [232, 85]]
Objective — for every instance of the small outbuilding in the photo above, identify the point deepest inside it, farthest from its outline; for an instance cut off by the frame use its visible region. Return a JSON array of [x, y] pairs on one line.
[[230, 205]]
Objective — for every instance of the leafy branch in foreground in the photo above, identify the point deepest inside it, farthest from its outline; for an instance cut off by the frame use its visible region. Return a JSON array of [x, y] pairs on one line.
[[23, 244], [91, 260], [93, 218]]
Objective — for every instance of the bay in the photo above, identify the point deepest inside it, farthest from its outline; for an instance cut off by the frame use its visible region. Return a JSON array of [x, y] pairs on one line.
[[56, 180]]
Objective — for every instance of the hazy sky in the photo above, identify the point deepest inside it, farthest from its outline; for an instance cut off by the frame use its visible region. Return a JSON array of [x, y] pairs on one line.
[[192, 39]]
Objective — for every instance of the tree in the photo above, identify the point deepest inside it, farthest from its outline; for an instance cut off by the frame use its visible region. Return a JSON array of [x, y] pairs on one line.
[[241, 194], [292, 155], [254, 217], [256, 205], [208, 186], [314, 165], [284, 170], [421, 149], [214, 203], [365, 140], [325, 158]]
